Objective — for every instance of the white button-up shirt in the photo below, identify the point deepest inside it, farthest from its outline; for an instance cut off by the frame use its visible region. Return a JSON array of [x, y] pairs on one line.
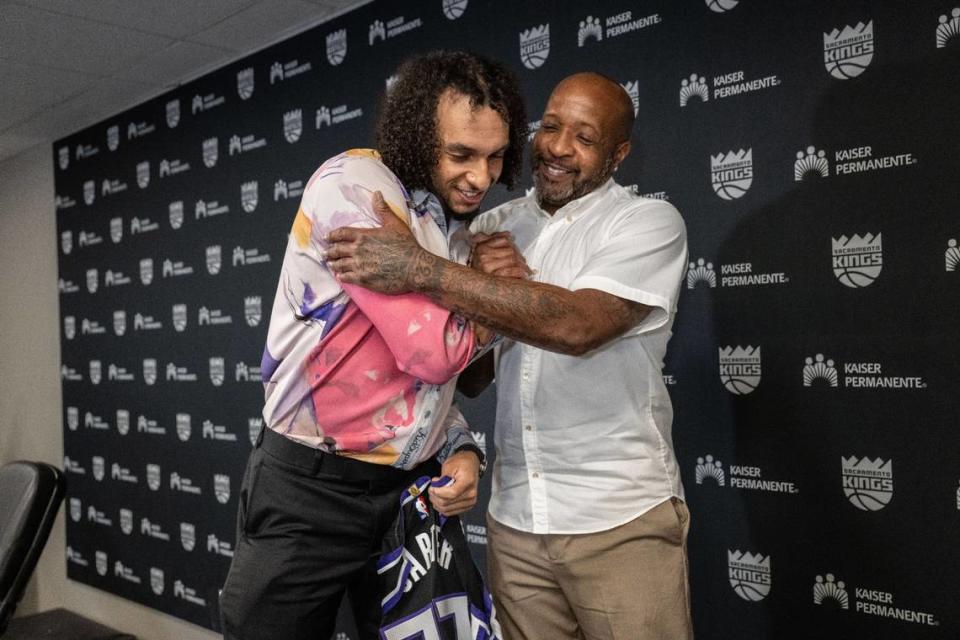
[[584, 443]]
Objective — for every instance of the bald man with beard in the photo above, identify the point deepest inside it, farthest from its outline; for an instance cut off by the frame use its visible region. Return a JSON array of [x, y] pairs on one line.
[[587, 526]]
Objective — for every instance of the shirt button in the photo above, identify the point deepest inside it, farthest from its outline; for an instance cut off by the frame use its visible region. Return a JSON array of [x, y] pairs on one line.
[[536, 475], [529, 428], [526, 376]]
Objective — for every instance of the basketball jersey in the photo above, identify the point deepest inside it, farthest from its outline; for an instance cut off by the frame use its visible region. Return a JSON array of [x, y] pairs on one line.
[[431, 590]]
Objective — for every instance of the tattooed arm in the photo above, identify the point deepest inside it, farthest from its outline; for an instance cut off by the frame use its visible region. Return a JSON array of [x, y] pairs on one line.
[[388, 259]]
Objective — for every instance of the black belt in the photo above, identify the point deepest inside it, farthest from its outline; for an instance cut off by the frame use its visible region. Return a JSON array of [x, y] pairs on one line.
[[315, 462]]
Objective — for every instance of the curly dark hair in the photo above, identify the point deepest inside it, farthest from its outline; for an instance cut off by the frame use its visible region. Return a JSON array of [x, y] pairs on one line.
[[406, 133]]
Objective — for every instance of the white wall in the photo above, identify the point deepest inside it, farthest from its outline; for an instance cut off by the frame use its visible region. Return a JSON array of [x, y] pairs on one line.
[[31, 407]]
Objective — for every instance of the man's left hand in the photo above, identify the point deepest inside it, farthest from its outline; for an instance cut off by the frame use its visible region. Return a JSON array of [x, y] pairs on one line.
[[460, 495], [381, 259]]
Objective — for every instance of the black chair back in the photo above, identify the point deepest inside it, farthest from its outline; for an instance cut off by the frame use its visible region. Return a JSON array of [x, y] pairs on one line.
[[30, 495]]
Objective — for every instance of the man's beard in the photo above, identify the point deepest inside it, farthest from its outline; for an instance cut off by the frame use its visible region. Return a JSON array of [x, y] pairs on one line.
[[559, 195]]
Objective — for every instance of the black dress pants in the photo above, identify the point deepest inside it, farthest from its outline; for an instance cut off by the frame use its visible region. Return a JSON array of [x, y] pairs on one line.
[[310, 528]]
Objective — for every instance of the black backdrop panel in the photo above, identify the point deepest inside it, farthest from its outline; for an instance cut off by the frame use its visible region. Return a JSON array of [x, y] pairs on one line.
[[811, 148]]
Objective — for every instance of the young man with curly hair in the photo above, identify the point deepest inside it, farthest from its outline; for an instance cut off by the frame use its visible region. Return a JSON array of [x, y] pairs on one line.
[[359, 385]]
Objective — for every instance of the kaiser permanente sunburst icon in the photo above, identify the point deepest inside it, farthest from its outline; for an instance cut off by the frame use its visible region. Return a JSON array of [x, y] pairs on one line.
[[811, 162], [829, 592], [749, 575], [857, 260], [708, 468], [948, 28], [952, 255], [693, 87], [817, 370], [701, 272], [868, 484], [589, 28], [848, 53]]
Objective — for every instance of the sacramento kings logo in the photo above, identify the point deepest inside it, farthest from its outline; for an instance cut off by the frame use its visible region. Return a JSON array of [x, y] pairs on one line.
[[76, 510], [184, 428], [830, 593], [732, 174], [535, 46], [63, 157], [214, 259], [179, 314], [175, 210], [96, 371], [693, 88], [749, 575], [188, 536], [73, 418], [101, 562], [173, 113], [211, 151], [89, 192], [113, 137], [126, 521], [245, 83], [292, 125], [249, 195], [143, 174], [632, 87], [98, 465], [119, 322], [66, 242], [149, 370], [722, 6], [710, 469], [217, 371], [254, 426], [857, 261], [819, 371], [848, 53], [252, 310], [811, 163], [740, 369], [221, 487], [116, 230], [153, 477], [453, 9], [69, 327], [146, 271], [868, 484], [123, 421], [336, 46], [156, 580]]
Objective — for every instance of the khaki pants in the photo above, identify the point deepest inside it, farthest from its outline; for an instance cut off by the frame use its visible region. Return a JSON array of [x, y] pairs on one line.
[[628, 583]]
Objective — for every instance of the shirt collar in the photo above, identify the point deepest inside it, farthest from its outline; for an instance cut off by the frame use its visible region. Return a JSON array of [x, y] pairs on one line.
[[426, 202]]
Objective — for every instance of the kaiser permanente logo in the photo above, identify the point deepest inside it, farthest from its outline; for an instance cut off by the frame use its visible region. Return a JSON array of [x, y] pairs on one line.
[[814, 163], [741, 274], [951, 256], [710, 471], [948, 28], [848, 53], [731, 174], [280, 71], [749, 575], [393, 28], [820, 371], [868, 484], [740, 369], [336, 115], [535, 46], [593, 28], [857, 261], [828, 592], [695, 87]]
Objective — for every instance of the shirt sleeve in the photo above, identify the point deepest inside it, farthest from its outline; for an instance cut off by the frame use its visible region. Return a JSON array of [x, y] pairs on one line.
[[642, 259], [458, 433]]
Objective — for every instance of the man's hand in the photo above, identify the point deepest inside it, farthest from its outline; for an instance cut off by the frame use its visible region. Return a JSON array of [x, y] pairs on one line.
[[381, 259], [460, 495], [497, 255]]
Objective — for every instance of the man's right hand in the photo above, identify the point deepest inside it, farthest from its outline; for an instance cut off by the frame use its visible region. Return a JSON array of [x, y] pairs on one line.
[[497, 255]]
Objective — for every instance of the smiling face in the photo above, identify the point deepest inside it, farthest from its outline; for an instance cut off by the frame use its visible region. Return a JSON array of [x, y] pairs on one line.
[[583, 136], [472, 142]]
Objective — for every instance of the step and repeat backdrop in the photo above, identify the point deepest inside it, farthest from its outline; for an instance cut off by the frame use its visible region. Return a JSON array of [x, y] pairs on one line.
[[812, 150]]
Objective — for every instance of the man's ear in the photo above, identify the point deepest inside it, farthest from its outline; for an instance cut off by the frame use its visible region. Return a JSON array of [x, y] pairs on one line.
[[621, 152]]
